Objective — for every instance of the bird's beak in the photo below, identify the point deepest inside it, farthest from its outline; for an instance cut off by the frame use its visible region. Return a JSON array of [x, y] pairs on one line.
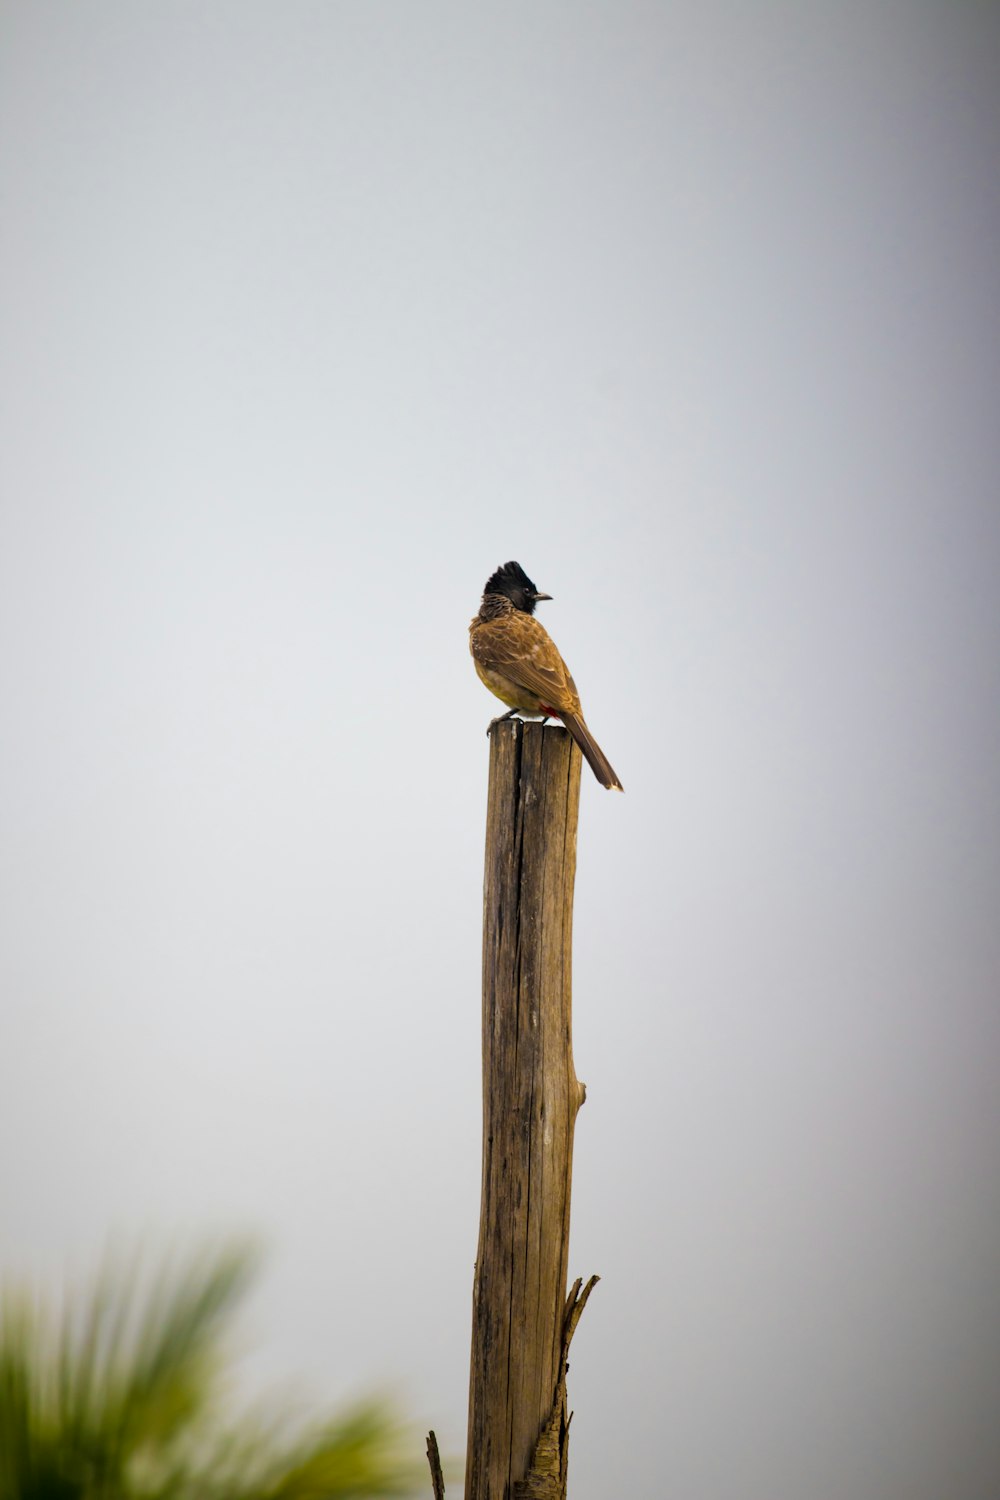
[[536, 597]]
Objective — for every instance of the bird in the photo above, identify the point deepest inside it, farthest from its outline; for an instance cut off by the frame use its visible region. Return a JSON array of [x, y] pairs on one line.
[[517, 660]]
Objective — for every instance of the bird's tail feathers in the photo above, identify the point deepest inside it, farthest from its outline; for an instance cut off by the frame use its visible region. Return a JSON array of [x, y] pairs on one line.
[[593, 754]]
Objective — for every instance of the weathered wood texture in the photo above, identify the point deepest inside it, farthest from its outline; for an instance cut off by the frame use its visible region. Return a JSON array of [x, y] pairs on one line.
[[530, 1100]]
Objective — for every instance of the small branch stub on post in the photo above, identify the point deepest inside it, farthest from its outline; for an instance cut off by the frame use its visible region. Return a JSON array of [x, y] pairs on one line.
[[522, 1323], [546, 1478]]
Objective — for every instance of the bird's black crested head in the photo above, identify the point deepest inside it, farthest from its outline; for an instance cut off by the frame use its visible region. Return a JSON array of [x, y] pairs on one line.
[[514, 584]]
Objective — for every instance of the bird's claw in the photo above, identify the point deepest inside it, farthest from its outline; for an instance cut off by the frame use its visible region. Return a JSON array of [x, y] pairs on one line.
[[500, 719]]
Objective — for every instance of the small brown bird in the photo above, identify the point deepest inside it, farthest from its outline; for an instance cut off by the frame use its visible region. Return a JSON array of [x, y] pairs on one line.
[[517, 659]]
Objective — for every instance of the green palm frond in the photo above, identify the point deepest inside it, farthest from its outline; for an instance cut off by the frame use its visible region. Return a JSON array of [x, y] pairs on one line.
[[119, 1398]]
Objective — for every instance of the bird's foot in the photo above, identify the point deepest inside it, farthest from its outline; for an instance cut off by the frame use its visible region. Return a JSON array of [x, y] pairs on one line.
[[500, 719]]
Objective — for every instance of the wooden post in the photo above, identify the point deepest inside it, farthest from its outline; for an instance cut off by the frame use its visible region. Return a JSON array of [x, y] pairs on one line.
[[522, 1322]]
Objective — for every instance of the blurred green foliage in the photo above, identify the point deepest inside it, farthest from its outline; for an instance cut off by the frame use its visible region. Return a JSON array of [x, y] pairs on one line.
[[120, 1396]]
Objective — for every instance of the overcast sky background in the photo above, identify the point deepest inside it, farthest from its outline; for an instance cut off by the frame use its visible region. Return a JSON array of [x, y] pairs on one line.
[[312, 314]]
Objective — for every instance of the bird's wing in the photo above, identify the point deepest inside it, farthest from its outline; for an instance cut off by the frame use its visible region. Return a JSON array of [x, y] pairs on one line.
[[521, 649]]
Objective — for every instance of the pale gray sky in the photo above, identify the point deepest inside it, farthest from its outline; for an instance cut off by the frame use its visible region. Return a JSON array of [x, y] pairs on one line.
[[312, 314]]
